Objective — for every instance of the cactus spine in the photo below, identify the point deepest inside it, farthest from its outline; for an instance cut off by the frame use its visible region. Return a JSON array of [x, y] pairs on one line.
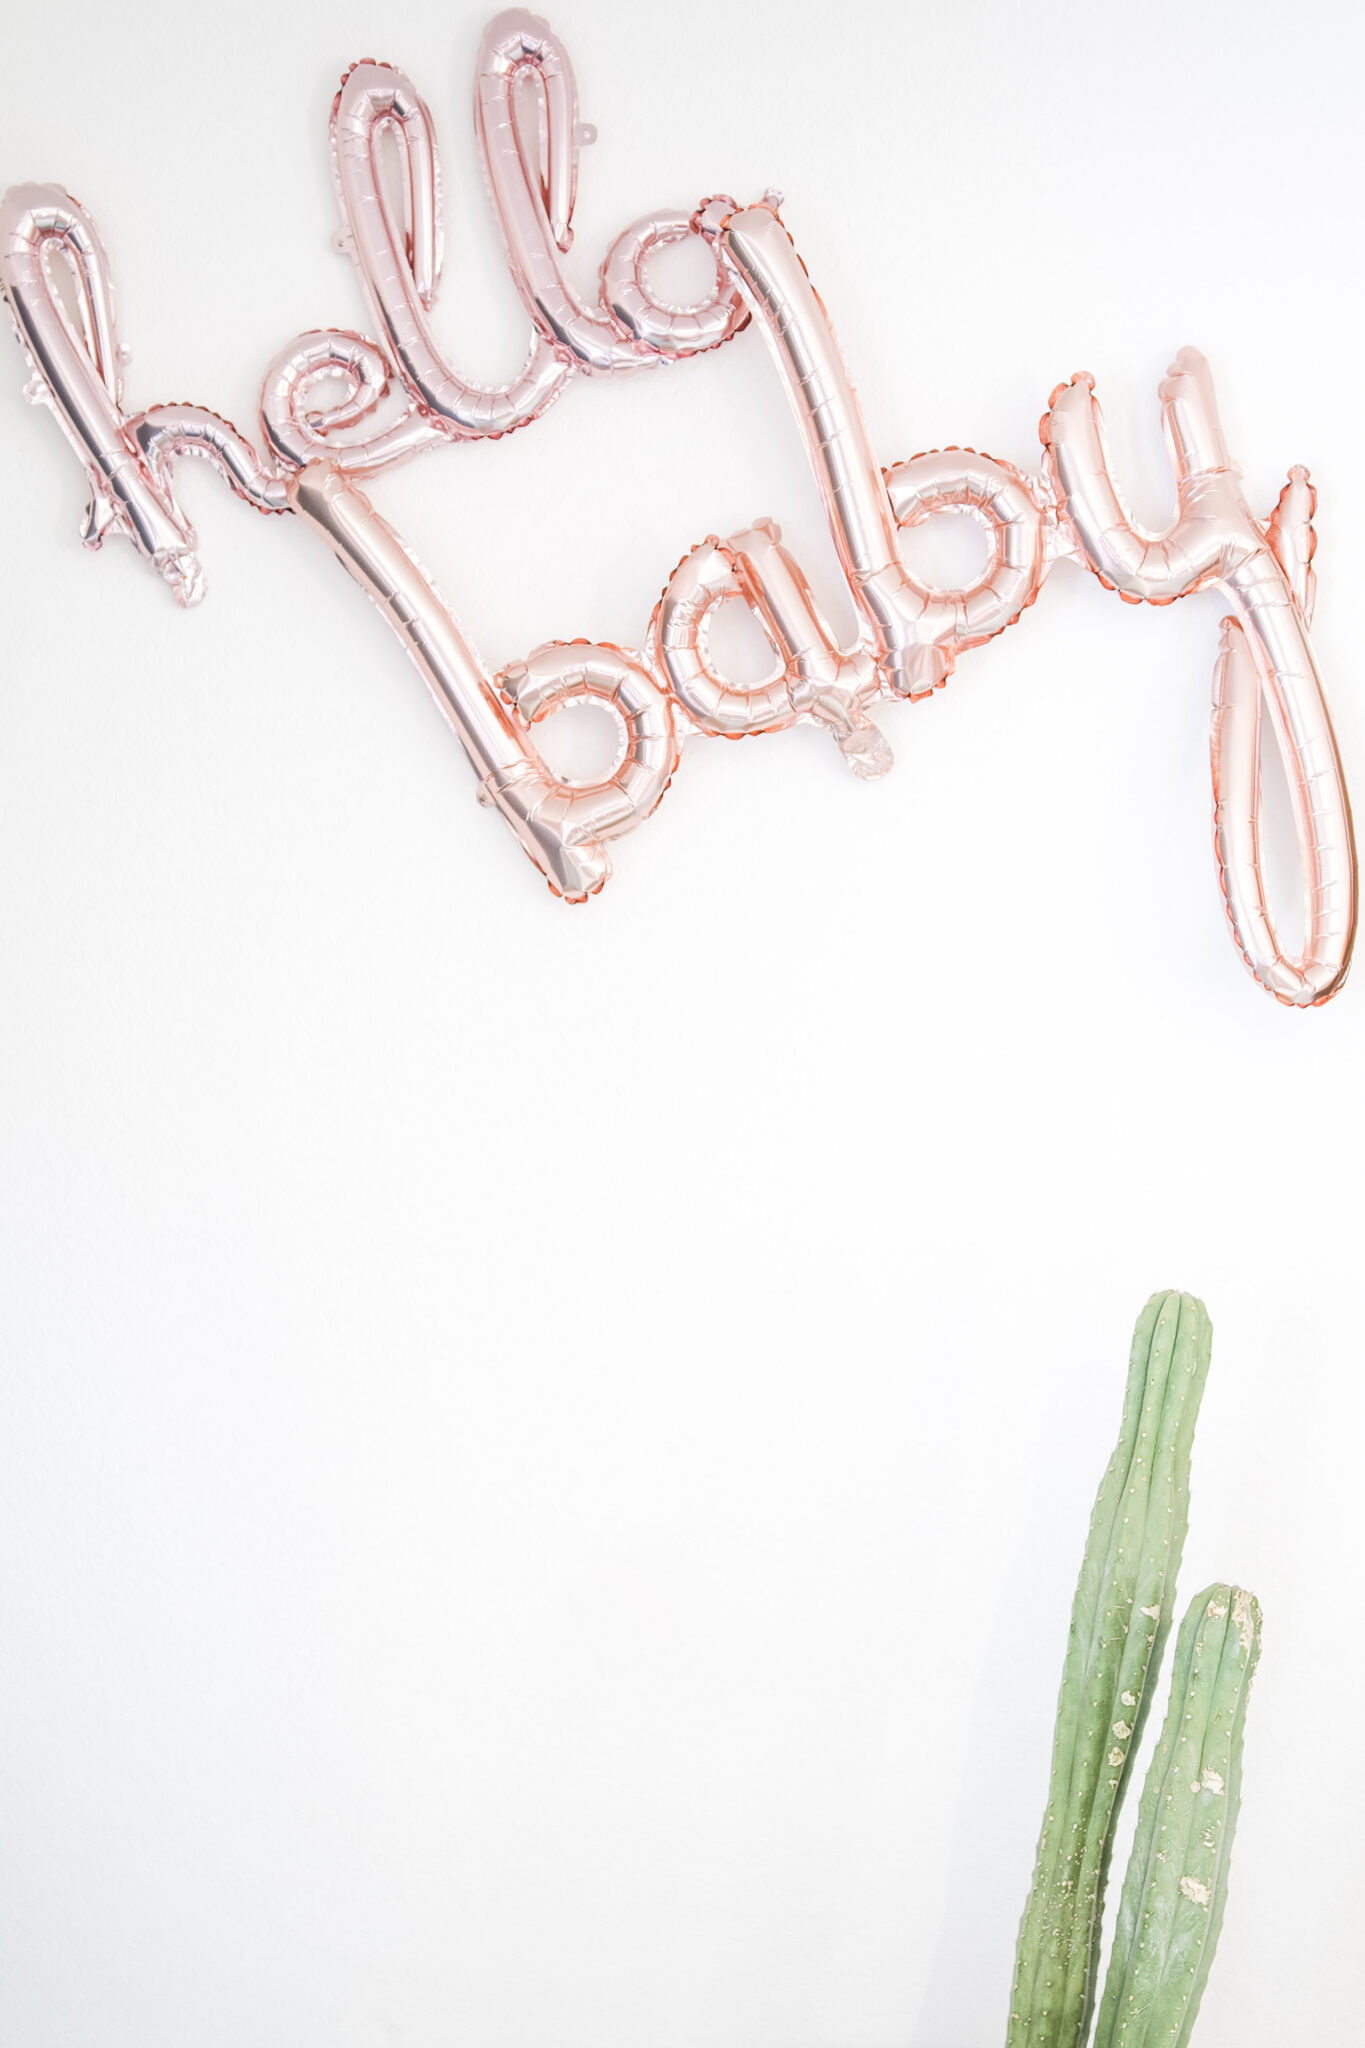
[[1173, 1895], [1119, 1620]]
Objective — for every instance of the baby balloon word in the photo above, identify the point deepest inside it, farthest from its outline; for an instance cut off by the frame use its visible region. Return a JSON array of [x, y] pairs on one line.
[[400, 394]]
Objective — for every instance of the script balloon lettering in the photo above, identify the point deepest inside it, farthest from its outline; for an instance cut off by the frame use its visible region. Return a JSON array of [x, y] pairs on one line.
[[400, 394]]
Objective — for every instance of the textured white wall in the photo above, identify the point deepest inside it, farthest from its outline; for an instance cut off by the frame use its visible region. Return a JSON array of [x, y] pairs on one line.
[[545, 1452]]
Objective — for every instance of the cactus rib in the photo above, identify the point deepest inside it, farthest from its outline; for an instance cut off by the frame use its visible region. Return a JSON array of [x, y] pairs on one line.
[[1171, 1910], [1119, 1620]]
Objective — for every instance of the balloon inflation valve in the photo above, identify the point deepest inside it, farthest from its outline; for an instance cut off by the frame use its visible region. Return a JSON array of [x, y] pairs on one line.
[[867, 752]]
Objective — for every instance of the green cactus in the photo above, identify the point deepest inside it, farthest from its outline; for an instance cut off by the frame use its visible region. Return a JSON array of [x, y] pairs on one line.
[[1119, 1620], [1173, 1895]]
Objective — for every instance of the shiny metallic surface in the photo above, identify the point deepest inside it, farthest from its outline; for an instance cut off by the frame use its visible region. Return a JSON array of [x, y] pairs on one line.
[[667, 329], [1294, 541], [165, 431], [530, 159], [561, 825], [1013, 513], [1266, 653], [377, 423], [761, 252], [681, 631], [813, 680], [399, 396], [398, 260], [77, 376], [403, 394]]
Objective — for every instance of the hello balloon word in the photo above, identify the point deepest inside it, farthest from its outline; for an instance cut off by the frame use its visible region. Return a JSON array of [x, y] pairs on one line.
[[400, 395]]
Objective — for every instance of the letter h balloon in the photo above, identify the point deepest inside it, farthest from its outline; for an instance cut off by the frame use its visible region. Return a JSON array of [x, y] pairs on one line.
[[397, 394]]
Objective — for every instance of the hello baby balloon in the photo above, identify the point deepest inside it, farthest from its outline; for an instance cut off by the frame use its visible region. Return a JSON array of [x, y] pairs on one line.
[[401, 394]]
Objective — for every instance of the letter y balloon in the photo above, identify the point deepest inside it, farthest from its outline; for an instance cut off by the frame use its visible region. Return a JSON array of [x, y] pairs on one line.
[[400, 394]]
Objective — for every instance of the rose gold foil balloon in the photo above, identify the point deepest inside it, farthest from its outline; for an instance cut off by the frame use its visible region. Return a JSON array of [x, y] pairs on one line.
[[402, 393], [811, 678], [561, 825], [916, 633], [1266, 654], [77, 373], [399, 394], [398, 261], [531, 162]]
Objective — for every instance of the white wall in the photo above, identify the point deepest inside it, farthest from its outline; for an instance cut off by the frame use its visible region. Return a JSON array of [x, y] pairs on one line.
[[545, 1452]]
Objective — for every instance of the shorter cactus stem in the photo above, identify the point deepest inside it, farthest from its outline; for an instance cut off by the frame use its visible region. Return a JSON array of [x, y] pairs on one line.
[[1171, 1910]]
